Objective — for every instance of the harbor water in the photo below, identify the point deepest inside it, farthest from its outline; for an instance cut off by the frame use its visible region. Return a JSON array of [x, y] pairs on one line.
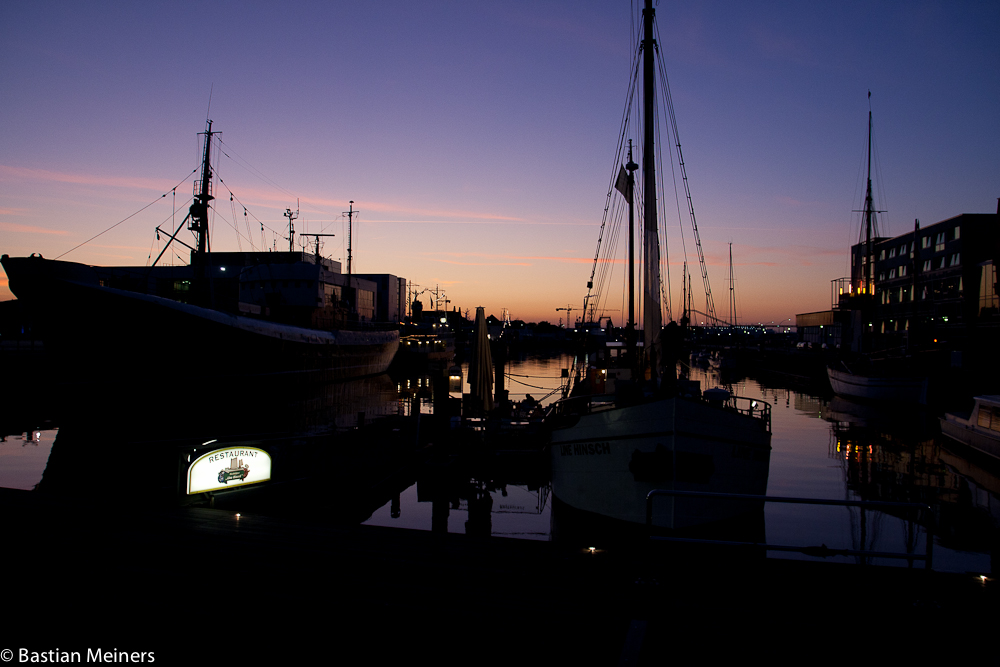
[[823, 447]]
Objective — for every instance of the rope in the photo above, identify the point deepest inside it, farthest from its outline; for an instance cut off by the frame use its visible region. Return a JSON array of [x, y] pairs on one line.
[[249, 167], [124, 219], [246, 213]]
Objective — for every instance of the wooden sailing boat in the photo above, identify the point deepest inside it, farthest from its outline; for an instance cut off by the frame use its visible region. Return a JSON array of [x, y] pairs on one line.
[[628, 429], [869, 376]]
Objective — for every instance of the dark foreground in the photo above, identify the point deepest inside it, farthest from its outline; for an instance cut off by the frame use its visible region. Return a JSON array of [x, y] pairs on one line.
[[193, 585]]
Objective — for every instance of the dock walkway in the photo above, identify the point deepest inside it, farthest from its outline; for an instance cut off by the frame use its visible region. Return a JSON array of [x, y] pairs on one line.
[[184, 582]]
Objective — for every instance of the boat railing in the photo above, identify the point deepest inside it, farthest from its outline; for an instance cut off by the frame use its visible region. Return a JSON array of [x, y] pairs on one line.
[[821, 551], [752, 407], [350, 325], [583, 405], [587, 404]]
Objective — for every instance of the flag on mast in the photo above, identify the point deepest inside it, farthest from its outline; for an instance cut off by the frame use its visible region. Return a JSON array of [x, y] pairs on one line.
[[621, 185]]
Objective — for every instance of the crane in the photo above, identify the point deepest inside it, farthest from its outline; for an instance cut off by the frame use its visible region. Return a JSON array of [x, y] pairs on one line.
[[569, 311]]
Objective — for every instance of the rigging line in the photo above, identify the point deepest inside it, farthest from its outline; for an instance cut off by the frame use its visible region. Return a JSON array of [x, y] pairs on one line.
[[232, 208], [232, 223], [532, 386], [246, 221], [152, 244], [233, 194], [668, 98], [612, 227], [611, 259], [610, 250], [249, 167], [677, 202], [621, 133], [662, 225], [123, 220], [882, 198]]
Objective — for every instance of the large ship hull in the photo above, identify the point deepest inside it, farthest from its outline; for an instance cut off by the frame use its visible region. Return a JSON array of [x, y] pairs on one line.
[[93, 329], [607, 462]]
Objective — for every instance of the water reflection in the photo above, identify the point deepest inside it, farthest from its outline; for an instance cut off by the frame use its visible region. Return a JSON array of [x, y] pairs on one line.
[[386, 451]]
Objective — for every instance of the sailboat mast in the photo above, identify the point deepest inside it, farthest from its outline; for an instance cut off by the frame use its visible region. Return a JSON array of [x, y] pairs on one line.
[[630, 168], [651, 243], [203, 195], [869, 215], [732, 293], [684, 300]]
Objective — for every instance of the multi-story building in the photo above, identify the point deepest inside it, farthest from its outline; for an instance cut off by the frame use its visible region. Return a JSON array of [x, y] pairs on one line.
[[935, 285]]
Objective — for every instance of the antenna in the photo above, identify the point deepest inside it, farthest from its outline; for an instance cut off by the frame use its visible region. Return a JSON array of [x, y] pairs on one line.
[[317, 243], [291, 228], [208, 112], [350, 217]]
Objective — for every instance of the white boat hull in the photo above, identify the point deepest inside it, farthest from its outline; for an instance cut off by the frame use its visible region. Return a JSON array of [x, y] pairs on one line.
[[608, 462], [981, 430], [874, 388]]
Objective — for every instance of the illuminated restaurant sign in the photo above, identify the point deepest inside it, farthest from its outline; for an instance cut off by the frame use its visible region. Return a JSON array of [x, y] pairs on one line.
[[228, 468]]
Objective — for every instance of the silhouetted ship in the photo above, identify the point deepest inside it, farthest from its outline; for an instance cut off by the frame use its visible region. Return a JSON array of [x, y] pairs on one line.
[[624, 432], [286, 315], [883, 377]]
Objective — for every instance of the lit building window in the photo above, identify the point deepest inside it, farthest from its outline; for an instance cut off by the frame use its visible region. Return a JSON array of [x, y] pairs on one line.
[[989, 300]]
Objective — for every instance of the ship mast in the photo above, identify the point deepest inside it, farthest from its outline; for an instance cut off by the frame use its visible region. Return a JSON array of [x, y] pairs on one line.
[[651, 243], [732, 292], [203, 195], [350, 218], [871, 224], [630, 186], [291, 227], [869, 214]]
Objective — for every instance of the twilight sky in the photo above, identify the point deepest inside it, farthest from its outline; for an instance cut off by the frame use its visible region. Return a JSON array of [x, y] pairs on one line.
[[477, 138]]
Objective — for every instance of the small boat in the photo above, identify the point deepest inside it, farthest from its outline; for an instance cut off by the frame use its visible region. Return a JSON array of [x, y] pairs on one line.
[[290, 317], [629, 426], [881, 387], [979, 429]]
